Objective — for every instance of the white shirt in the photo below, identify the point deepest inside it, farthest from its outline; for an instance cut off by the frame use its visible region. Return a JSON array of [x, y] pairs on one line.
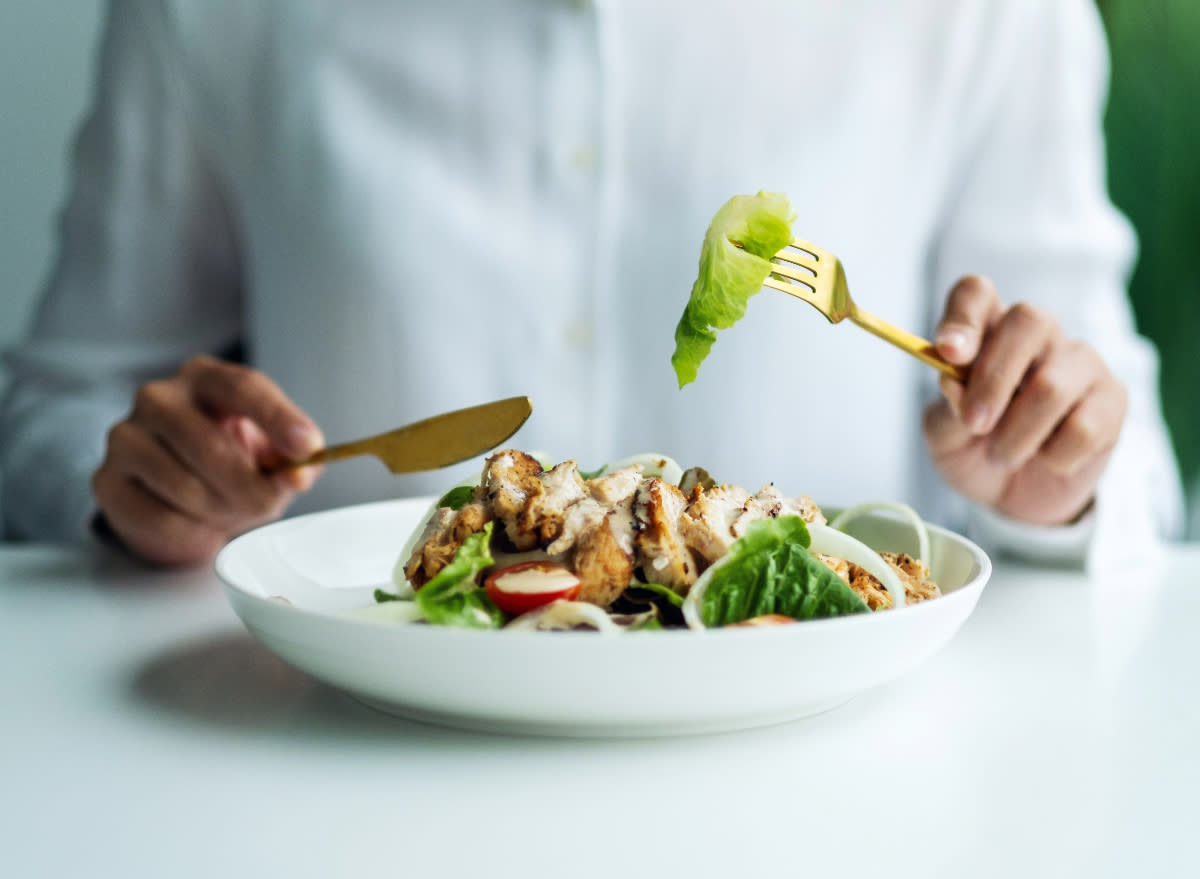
[[402, 208]]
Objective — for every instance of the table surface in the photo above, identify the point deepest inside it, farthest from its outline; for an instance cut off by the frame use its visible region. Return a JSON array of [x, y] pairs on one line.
[[147, 734]]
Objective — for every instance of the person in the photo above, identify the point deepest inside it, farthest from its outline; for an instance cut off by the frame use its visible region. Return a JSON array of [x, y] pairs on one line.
[[297, 221]]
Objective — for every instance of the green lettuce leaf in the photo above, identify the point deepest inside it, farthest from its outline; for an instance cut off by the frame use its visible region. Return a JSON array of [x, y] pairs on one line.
[[457, 497], [770, 570], [452, 597], [664, 593], [730, 275]]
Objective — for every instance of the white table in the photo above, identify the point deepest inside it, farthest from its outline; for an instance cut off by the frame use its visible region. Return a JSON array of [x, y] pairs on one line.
[[145, 734]]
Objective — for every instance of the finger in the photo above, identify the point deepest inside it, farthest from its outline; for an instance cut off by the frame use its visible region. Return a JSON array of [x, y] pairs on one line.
[[952, 389], [1089, 431], [135, 454], [1009, 349], [166, 410], [223, 388], [213, 453], [255, 442], [1048, 393], [150, 528], [943, 430], [972, 306]]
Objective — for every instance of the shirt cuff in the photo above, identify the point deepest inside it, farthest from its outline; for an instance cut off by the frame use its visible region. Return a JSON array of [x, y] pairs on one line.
[[1065, 545]]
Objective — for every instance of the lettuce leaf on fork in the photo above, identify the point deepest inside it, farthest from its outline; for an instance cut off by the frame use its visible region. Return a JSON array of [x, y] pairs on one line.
[[734, 261]]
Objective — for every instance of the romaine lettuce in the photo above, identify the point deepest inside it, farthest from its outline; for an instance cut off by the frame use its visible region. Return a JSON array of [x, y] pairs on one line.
[[452, 597], [734, 261], [770, 570], [457, 497]]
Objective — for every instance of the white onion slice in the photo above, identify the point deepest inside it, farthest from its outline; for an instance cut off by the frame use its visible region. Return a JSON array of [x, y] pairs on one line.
[[562, 615], [918, 524], [830, 541], [691, 601]]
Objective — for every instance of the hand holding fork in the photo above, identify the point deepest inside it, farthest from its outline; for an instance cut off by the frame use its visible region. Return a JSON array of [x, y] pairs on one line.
[[1029, 416]]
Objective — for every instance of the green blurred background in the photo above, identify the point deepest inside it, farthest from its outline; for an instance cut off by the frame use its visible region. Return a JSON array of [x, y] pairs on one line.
[[1153, 129]]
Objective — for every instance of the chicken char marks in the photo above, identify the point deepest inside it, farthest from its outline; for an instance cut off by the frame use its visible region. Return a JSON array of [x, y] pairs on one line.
[[603, 529]]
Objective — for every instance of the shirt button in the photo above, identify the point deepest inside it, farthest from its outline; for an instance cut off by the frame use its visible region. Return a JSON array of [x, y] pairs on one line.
[[583, 158], [579, 334]]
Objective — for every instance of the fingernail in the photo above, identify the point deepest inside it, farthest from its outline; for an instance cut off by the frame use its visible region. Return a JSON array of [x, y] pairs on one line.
[[976, 417], [302, 441], [952, 340]]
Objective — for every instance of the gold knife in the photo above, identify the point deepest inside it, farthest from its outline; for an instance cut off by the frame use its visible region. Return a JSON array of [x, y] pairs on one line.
[[435, 442]]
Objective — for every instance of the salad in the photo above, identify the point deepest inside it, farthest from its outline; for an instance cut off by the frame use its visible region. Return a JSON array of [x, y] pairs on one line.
[[639, 544]]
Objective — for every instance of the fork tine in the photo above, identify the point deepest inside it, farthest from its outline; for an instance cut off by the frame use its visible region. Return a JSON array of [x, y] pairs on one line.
[[805, 295], [802, 293], [820, 253], [806, 278], [803, 260]]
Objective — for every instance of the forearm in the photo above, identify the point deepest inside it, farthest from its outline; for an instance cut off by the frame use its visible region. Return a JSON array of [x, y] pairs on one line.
[[53, 443], [147, 273]]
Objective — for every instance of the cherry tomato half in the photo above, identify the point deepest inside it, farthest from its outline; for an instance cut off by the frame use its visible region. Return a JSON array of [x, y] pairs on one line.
[[524, 586]]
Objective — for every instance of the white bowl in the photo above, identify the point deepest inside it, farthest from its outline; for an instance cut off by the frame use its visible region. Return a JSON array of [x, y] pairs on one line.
[[574, 683]]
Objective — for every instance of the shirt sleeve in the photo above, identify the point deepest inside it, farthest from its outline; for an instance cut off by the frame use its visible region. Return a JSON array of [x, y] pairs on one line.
[[1033, 214], [146, 273]]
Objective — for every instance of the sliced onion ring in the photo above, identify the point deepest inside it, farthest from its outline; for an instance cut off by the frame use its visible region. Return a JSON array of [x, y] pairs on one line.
[[564, 615], [830, 541], [918, 524], [691, 601]]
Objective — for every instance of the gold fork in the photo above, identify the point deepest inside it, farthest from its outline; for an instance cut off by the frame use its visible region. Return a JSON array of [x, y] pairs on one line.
[[816, 276]]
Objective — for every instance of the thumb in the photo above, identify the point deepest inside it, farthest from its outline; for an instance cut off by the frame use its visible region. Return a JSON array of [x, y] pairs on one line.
[[972, 306]]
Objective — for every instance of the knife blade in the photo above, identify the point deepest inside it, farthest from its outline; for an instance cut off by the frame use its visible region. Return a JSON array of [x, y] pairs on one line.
[[435, 442]]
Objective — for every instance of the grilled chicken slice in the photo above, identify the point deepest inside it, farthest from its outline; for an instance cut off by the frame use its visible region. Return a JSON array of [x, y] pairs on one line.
[[603, 557], [867, 587], [443, 535], [596, 537], [662, 551], [605, 493], [770, 504], [914, 575], [511, 482], [715, 518], [707, 523], [544, 513], [613, 488]]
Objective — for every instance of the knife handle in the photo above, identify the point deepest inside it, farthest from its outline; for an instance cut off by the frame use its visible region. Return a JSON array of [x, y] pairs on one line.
[[329, 453]]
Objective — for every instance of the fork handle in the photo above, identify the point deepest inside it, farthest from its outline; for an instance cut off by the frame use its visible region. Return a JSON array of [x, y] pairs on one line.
[[922, 349]]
